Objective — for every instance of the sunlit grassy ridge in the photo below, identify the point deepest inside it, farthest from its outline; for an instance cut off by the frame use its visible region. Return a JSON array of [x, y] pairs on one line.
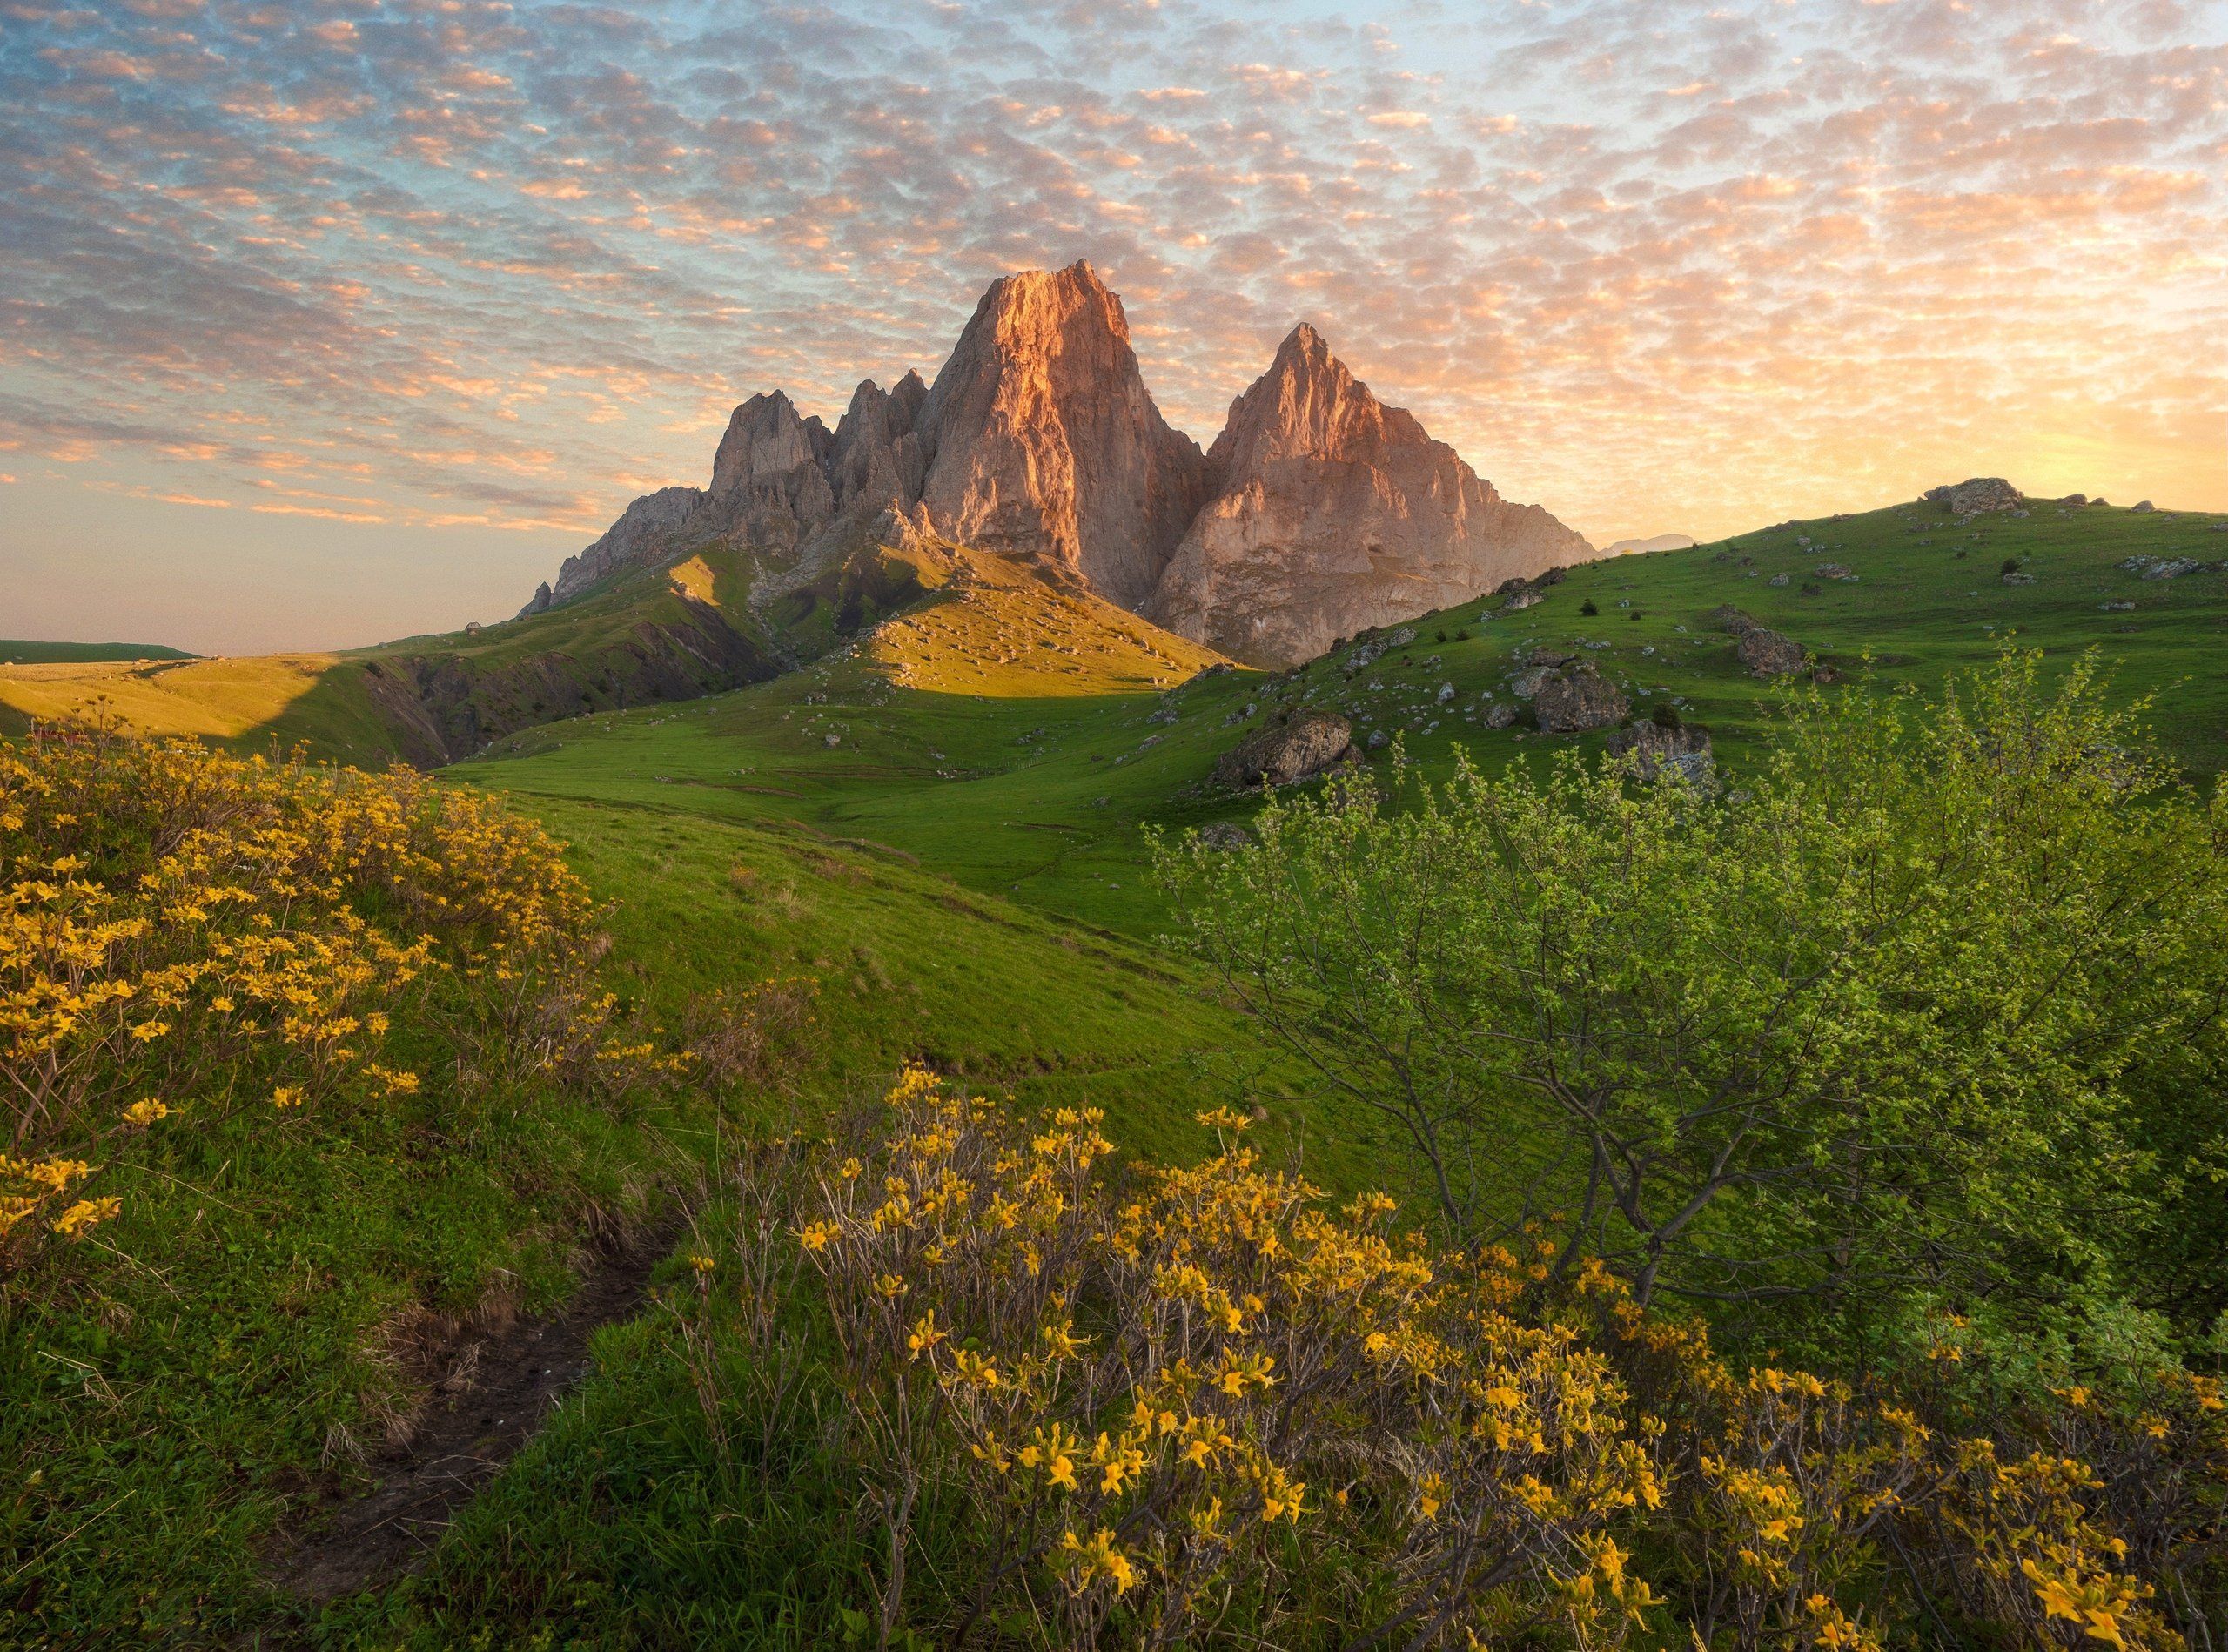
[[20, 653]]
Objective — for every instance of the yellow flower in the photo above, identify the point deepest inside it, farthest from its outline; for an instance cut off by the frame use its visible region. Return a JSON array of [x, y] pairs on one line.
[[285, 1097], [140, 1114], [701, 1262], [925, 1336], [86, 1213], [1098, 1558]]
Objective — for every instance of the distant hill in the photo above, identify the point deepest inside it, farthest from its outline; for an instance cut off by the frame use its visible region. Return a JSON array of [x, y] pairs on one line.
[[1655, 542], [83, 652], [640, 636]]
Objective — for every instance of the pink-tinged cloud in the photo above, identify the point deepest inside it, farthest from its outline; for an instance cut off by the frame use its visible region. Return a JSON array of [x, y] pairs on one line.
[[1657, 264]]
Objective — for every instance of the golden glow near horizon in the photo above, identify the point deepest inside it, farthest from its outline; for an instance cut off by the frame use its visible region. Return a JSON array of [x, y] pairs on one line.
[[325, 326]]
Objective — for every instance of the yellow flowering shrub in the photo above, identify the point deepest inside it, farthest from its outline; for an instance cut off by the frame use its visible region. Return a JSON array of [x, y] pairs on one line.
[[1172, 1403], [185, 934]]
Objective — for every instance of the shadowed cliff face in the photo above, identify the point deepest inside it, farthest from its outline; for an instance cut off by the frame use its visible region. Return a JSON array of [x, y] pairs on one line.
[[1319, 512], [444, 704]]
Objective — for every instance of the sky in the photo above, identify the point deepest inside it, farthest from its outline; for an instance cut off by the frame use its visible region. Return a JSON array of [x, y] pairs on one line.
[[322, 324]]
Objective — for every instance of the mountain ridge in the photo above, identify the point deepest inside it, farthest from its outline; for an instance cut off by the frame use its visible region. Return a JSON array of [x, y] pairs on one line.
[[1318, 510]]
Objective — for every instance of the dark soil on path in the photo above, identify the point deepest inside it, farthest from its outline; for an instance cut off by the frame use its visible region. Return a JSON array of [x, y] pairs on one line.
[[505, 1385]]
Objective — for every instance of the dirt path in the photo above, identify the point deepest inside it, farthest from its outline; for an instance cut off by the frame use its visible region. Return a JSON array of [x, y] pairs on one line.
[[515, 1377]]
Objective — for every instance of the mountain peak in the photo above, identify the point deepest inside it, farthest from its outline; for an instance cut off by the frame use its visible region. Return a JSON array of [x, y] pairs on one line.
[[1333, 512], [1320, 510], [1042, 442]]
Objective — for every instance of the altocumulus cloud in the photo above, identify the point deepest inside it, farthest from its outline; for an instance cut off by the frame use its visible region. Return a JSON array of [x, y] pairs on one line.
[[1656, 263]]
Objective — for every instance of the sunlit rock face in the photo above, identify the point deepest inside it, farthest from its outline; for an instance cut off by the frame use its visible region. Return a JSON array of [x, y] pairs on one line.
[[1043, 443], [1319, 511], [1332, 512]]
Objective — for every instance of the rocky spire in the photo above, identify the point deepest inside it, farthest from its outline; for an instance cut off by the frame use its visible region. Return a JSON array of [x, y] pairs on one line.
[[1319, 512], [1042, 442], [1333, 512]]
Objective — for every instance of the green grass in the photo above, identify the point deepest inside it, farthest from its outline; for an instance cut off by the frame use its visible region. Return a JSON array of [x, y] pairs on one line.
[[963, 873], [1010, 782], [181, 1384]]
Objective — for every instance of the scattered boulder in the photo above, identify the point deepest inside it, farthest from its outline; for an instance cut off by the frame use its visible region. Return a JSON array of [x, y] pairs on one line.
[[2142, 505], [1825, 674], [1524, 599], [1726, 617], [1834, 571], [2075, 498], [1655, 750], [1289, 752], [2117, 608], [1779, 579], [1500, 715], [2016, 578], [1574, 700], [1768, 653], [2162, 568], [1978, 493], [1224, 834]]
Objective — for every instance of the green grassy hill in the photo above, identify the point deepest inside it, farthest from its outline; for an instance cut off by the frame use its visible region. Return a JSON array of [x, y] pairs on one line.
[[650, 635], [963, 736], [933, 815]]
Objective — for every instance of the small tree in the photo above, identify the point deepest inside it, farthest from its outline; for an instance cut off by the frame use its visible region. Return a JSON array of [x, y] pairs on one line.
[[1880, 1021]]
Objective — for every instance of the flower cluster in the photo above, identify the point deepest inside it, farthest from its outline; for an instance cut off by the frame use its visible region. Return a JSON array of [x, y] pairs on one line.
[[184, 933], [1179, 1401]]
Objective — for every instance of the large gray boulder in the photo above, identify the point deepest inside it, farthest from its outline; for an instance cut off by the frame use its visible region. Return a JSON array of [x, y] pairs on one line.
[[1287, 752], [1654, 749], [1575, 698], [1977, 494], [1768, 653]]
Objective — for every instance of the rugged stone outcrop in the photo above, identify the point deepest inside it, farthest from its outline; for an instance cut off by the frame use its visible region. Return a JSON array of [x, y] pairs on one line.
[[1767, 652], [645, 532], [1320, 513], [1977, 494], [1333, 512], [1042, 442], [1573, 699], [1288, 752], [1654, 748]]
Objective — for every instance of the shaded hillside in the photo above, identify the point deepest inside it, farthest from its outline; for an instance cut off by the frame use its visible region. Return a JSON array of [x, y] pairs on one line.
[[647, 635]]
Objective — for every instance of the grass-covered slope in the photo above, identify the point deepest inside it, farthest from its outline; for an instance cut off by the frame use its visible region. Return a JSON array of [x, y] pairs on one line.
[[653, 635], [195, 1378], [1019, 740], [997, 731]]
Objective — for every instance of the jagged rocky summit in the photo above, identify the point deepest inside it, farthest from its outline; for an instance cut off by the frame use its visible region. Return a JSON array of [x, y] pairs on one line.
[[1318, 513]]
